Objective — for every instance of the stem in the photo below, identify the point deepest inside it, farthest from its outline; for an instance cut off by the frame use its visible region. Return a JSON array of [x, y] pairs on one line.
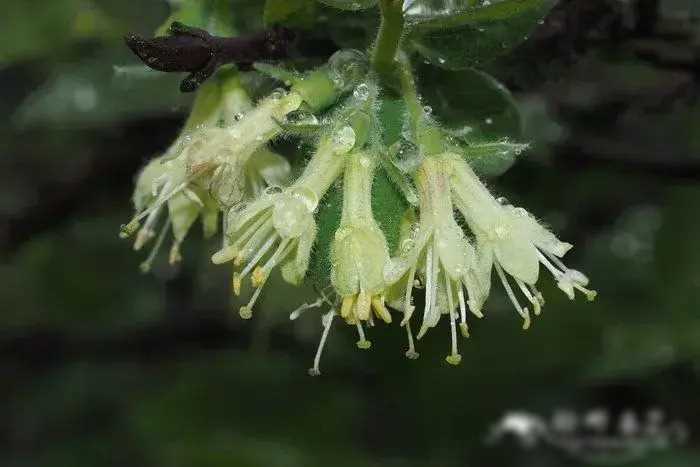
[[357, 189], [425, 133], [388, 38]]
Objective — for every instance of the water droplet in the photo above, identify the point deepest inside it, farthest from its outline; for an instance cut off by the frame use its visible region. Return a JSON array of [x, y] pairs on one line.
[[237, 117], [441, 60], [301, 117], [427, 109], [277, 93], [344, 140], [346, 67], [307, 196], [408, 157], [489, 121], [273, 190], [361, 91], [502, 200]]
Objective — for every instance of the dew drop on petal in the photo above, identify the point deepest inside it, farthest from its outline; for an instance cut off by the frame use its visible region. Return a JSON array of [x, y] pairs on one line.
[[361, 91], [344, 140]]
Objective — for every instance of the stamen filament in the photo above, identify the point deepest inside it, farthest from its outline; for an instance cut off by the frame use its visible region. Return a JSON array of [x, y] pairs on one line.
[[363, 343], [411, 352], [408, 306], [246, 311], [537, 306], [521, 311], [454, 358], [327, 321], [258, 255], [148, 262], [463, 326]]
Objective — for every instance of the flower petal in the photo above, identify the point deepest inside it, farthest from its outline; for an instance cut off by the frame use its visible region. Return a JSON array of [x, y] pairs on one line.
[[518, 257]]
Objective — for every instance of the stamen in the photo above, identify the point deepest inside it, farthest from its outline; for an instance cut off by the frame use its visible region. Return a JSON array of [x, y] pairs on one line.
[[304, 307], [556, 261], [258, 256], [251, 230], [408, 307], [261, 274], [589, 293], [246, 311], [226, 254], [362, 306], [192, 196], [430, 290], [175, 255], [521, 311], [463, 326], [537, 294], [555, 272], [162, 199], [411, 352], [236, 283], [363, 343], [326, 321], [255, 243], [537, 307], [380, 310], [146, 233], [346, 307], [127, 230], [454, 358], [146, 265]]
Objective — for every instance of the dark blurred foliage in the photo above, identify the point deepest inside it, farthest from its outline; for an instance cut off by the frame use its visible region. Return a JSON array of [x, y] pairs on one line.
[[101, 365]]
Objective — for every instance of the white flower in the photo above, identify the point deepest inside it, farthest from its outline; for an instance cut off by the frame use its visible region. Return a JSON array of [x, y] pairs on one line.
[[278, 228], [359, 252], [437, 250], [209, 163], [512, 240]]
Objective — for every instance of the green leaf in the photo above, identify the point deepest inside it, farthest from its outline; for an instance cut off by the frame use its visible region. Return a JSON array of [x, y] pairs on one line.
[[476, 35], [469, 103], [300, 13], [492, 158], [388, 205], [351, 5], [327, 221]]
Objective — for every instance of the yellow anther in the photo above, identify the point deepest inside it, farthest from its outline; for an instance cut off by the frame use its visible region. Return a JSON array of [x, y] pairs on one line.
[[236, 284], [380, 310], [346, 307], [362, 308], [259, 277], [464, 329]]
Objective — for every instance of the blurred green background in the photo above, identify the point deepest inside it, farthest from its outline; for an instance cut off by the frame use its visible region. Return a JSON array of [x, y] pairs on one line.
[[100, 365]]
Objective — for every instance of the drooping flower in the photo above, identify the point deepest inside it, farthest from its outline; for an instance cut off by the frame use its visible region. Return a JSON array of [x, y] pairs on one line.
[[512, 241], [279, 228], [207, 164], [359, 252], [436, 250]]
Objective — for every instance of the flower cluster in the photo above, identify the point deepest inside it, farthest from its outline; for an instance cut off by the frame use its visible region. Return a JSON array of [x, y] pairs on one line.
[[452, 236]]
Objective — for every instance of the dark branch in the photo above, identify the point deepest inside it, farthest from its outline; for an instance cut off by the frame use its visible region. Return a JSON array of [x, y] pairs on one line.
[[194, 50]]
